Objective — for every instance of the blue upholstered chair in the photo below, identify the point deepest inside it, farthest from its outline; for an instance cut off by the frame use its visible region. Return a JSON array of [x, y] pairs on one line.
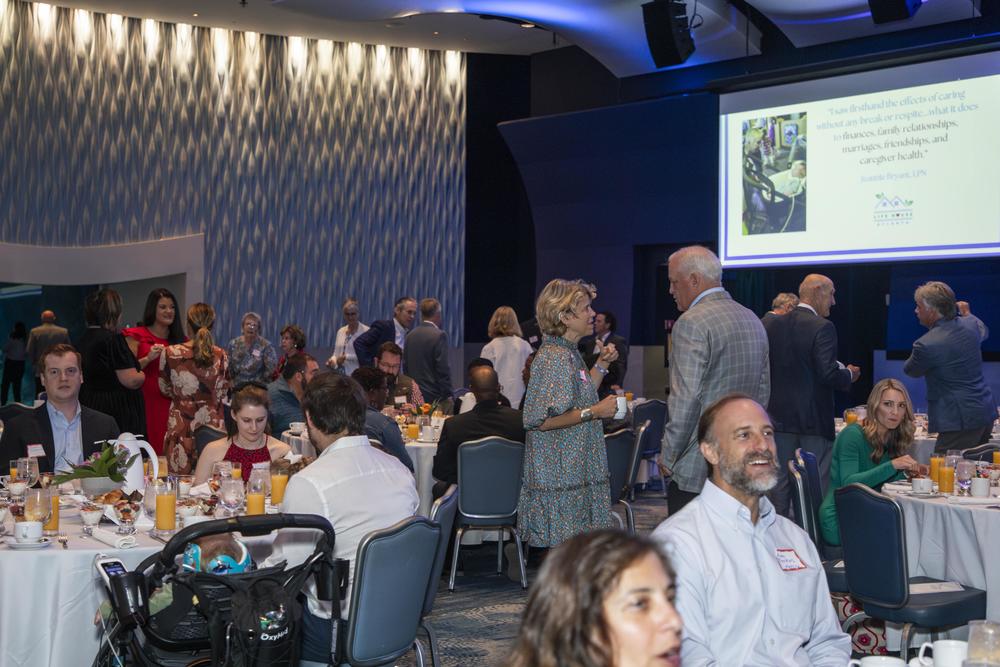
[[623, 466], [443, 514], [874, 540], [655, 412]]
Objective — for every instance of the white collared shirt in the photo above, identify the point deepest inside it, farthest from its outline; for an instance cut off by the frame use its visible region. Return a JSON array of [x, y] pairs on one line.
[[807, 307], [67, 438], [400, 333], [359, 489], [710, 290], [752, 595]]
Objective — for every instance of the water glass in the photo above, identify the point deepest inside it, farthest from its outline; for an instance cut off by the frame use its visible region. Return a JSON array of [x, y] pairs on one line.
[[984, 642], [37, 505], [27, 470], [231, 494], [964, 472]]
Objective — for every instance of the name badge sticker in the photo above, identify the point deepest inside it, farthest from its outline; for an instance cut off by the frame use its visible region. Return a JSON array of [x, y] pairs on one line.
[[399, 400], [788, 560], [255, 354], [533, 339], [583, 376], [36, 451]]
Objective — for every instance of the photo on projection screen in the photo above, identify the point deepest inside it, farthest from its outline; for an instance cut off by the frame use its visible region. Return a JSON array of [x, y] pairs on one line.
[[896, 164]]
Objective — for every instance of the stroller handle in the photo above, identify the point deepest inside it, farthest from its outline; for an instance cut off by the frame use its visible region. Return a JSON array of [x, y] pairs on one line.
[[247, 526]]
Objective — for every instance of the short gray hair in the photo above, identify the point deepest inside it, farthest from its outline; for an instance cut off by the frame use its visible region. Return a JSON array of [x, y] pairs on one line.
[[784, 299], [937, 296], [698, 259]]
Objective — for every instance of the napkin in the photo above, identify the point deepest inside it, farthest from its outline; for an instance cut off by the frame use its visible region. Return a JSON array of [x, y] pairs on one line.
[[293, 458], [113, 539], [200, 491], [969, 500]]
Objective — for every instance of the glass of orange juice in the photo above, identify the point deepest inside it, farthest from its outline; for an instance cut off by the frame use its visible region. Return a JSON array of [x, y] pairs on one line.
[[946, 481], [166, 506], [13, 469], [996, 458], [256, 490], [413, 431], [51, 527], [278, 482], [850, 416], [237, 470], [936, 463]]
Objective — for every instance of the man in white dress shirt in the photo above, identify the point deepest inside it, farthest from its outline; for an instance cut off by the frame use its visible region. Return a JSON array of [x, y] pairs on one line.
[[357, 487], [750, 585]]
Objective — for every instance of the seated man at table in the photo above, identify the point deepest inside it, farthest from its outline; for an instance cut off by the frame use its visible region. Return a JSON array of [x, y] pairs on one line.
[[377, 425], [403, 391], [286, 392], [65, 431], [488, 417], [750, 585], [357, 487]]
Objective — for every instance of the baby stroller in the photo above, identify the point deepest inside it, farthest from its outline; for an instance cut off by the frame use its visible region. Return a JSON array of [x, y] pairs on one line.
[[238, 620]]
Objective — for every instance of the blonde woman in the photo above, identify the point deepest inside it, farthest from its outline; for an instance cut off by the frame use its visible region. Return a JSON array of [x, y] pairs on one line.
[[508, 352], [565, 481], [873, 452], [193, 376]]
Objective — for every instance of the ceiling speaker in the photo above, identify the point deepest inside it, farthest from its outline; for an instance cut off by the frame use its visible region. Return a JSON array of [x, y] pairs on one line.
[[667, 32], [885, 11]]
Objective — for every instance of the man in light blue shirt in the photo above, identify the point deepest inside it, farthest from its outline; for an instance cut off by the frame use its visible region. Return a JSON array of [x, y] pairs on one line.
[[750, 585]]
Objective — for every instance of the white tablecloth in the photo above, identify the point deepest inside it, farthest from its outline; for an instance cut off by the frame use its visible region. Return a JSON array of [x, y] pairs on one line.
[[48, 597]]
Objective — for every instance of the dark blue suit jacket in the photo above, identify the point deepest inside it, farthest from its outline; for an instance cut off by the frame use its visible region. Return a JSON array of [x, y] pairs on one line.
[[366, 345], [804, 373], [958, 397]]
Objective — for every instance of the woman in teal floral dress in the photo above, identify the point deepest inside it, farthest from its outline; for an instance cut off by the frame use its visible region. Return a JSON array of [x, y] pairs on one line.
[[564, 489]]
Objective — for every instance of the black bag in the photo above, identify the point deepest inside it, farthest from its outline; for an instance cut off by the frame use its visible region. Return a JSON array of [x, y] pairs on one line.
[[265, 627]]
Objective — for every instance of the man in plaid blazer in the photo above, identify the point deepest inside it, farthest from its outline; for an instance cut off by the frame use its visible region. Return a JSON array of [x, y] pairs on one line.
[[717, 347]]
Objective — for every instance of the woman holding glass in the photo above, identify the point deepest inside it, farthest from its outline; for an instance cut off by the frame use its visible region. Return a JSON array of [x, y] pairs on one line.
[[873, 451], [565, 480], [250, 444], [344, 358]]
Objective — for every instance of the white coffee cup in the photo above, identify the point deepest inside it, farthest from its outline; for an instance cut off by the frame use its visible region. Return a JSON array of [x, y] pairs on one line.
[[878, 661], [980, 487], [296, 427], [28, 531], [622, 408], [947, 653], [922, 484]]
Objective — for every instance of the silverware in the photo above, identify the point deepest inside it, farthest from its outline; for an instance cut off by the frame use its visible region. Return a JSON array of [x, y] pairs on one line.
[[63, 540]]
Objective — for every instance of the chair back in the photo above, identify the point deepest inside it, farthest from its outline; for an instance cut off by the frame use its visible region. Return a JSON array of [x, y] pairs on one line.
[[12, 410], [204, 435], [489, 479], [800, 504], [443, 514], [655, 411], [873, 536], [642, 436], [620, 446], [981, 453], [391, 573], [813, 486]]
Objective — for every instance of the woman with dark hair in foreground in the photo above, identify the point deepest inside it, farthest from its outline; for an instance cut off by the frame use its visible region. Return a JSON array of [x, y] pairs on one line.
[[602, 599]]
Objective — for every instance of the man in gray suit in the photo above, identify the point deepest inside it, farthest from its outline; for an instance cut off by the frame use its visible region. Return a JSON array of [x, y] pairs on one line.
[[425, 356], [41, 338], [718, 347], [960, 405]]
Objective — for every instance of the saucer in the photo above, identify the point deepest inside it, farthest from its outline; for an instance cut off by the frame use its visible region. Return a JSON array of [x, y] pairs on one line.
[[916, 494], [28, 546]]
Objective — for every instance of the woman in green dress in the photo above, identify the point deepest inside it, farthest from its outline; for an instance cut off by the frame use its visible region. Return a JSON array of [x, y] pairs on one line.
[[873, 452]]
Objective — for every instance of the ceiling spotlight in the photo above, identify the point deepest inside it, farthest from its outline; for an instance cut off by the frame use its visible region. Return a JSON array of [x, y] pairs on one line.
[[885, 11], [195, 15], [527, 25], [668, 32]]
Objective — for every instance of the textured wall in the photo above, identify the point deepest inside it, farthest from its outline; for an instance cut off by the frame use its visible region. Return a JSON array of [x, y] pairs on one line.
[[315, 169]]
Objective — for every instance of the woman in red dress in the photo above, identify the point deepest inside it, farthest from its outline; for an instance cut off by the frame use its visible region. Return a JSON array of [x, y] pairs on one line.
[[250, 443], [160, 327]]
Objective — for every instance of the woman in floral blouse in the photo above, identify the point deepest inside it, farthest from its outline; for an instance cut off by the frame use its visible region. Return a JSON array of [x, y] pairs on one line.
[[252, 357], [193, 376]]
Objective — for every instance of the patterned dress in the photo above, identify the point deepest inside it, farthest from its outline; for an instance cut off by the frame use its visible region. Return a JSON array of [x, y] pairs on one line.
[[196, 395], [251, 363], [565, 488]]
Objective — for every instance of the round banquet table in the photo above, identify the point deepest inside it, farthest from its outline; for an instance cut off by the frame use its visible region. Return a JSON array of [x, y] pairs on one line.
[[422, 454]]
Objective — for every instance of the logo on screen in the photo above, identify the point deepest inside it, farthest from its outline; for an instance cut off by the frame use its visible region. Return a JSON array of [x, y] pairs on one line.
[[892, 210]]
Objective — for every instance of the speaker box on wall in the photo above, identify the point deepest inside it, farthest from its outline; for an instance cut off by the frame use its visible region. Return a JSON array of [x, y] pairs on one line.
[[884, 11], [667, 32]]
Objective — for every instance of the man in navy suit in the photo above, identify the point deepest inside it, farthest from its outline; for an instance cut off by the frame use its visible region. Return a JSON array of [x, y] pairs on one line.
[[386, 331], [605, 325], [66, 431], [960, 405], [804, 374], [425, 356]]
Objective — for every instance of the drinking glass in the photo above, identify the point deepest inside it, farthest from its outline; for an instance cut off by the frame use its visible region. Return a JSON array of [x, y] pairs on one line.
[[13, 468], [231, 495], [27, 470], [51, 527], [220, 470], [37, 505], [3, 517], [165, 503], [278, 482], [184, 484], [937, 462], [984, 642], [260, 478], [850, 416], [964, 472], [237, 470], [149, 495], [946, 479]]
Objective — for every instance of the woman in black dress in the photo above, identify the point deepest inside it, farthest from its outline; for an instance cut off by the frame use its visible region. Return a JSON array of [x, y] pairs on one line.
[[112, 379]]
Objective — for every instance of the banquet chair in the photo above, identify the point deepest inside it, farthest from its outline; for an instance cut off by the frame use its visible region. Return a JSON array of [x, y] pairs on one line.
[[809, 469], [982, 452], [205, 434], [12, 410], [620, 447], [655, 412], [489, 484], [391, 572], [442, 513], [874, 539]]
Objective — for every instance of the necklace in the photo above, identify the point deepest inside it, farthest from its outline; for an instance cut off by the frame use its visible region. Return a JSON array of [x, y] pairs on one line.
[[255, 445]]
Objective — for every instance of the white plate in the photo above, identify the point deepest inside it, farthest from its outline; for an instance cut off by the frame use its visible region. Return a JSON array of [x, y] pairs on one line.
[[29, 546]]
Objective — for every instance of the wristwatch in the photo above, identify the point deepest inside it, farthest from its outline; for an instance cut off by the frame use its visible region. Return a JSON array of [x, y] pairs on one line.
[[586, 415], [602, 371]]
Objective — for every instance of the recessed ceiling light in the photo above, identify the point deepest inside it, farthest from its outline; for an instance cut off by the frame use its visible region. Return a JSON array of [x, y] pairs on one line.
[[195, 15], [436, 32], [527, 25]]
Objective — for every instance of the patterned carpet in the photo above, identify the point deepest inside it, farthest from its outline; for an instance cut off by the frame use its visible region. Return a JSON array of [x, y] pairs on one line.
[[478, 623]]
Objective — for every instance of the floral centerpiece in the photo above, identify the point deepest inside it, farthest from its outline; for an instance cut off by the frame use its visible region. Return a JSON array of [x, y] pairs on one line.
[[111, 462], [426, 409]]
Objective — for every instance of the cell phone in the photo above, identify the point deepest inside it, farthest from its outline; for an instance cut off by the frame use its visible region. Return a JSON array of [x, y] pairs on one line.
[[110, 567]]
